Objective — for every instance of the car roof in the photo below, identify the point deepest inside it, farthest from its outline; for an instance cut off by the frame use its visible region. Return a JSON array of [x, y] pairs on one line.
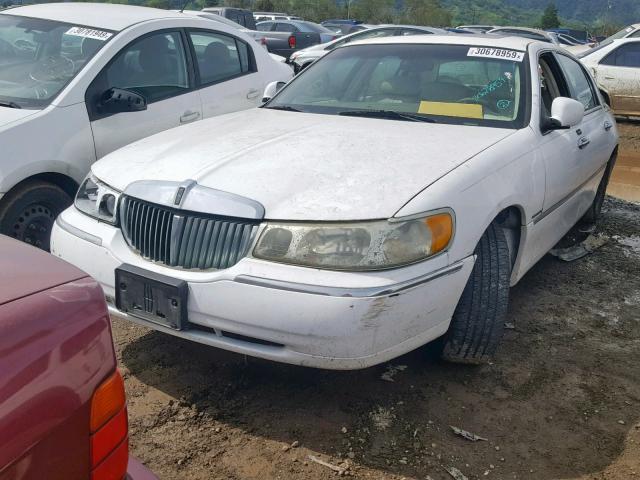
[[25, 270], [481, 40], [100, 15]]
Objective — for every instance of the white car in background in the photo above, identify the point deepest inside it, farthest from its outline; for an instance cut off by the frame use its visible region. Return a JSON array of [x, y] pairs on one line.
[[387, 196], [616, 68], [79, 80], [305, 57]]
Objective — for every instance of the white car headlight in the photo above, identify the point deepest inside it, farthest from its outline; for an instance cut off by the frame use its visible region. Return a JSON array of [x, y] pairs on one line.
[[374, 245], [97, 199]]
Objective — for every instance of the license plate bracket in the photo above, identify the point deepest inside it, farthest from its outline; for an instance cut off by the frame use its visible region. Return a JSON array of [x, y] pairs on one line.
[[153, 297]]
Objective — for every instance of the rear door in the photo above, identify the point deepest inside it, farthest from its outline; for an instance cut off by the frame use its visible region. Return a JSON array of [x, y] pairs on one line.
[[619, 74], [226, 72], [155, 66]]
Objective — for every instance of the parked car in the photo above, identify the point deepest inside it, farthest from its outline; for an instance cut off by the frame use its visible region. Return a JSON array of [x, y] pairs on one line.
[[462, 31], [344, 26], [387, 196], [532, 33], [266, 16], [305, 57], [478, 28], [84, 91], [616, 68], [632, 31], [283, 37], [64, 413], [238, 15]]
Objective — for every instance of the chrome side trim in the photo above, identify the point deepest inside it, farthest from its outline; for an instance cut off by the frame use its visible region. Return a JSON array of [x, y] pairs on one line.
[[544, 213], [195, 198], [348, 292], [67, 227]]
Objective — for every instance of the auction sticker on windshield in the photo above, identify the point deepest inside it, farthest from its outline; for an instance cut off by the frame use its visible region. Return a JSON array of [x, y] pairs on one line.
[[500, 53], [89, 33]]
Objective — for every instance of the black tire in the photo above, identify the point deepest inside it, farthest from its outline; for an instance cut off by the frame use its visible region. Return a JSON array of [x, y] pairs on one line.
[[28, 212], [478, 321], [592, 215]]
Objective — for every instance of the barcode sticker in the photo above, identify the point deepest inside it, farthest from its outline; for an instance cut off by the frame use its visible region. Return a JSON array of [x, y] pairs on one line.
[[89, 33], [499, 53]]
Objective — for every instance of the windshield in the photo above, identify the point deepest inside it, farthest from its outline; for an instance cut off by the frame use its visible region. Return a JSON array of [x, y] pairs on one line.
[[444, 83], [39, 57], [621, 34]]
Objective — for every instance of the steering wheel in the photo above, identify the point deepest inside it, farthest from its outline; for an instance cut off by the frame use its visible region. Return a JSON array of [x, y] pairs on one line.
[[53, 69], [24, 45], [482, 101]]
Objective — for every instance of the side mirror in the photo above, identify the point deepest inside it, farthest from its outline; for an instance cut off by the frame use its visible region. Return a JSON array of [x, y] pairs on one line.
[[271, 90], [565, 113], [119, 100]]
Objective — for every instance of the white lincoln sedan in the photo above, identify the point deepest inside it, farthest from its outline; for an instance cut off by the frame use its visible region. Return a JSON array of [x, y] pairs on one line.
[[386, 197]]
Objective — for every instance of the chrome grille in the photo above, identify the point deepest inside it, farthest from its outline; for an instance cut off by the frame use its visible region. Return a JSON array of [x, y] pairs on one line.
[[184, 239]]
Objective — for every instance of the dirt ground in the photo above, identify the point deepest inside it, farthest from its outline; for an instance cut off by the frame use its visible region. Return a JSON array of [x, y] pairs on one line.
[[560, 401]]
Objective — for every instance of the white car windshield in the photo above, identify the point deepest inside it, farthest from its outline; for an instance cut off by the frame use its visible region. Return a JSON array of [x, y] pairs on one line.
[[38, 58], [414, 82]]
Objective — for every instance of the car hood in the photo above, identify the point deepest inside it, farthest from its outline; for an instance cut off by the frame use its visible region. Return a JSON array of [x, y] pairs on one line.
[[9, 115], [303, 166]]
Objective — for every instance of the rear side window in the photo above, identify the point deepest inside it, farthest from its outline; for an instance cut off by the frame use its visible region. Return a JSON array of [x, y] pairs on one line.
[[580, 85], [264, 26], [285, 27], [220, 57], [627, 55]]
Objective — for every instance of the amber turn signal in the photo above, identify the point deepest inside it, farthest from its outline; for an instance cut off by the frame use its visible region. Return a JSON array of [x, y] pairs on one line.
[[441, 227]]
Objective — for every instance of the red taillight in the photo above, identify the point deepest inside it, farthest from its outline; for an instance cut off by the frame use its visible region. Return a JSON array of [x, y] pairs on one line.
[[263, 41], [109, 428], [292, 41]]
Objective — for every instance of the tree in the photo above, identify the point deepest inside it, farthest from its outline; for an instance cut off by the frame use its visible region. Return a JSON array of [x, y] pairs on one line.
[[550, 18], [263, 6], [426, 12]]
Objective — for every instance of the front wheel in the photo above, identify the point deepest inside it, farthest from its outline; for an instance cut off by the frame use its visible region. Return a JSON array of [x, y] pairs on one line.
[[592, 215], [28, 212], [478, 321]]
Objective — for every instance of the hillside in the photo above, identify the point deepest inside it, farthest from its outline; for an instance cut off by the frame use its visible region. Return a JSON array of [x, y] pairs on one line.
[[528, 12]]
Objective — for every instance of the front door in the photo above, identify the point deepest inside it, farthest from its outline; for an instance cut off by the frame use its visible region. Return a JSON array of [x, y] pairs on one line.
[[154, 66]]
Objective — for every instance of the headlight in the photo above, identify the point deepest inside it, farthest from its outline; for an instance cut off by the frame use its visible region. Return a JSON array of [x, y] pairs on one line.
[[373, 245], [97, 200]]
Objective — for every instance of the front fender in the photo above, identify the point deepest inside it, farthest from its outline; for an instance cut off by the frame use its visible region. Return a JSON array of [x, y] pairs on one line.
[[508, 174]]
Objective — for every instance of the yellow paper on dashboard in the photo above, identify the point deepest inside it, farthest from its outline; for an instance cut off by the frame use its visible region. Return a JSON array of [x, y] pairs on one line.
[[467, 110]]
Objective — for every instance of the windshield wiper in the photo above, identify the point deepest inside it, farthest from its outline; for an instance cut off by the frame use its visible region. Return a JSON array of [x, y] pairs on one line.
[[9, 104], [286, 108], [391, 114]]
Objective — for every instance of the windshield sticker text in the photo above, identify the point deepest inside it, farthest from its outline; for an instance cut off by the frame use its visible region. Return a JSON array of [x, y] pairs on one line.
[[499, 53], [89, 33]]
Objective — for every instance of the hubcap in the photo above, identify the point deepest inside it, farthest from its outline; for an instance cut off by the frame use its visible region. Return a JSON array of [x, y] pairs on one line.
[[34, 226]]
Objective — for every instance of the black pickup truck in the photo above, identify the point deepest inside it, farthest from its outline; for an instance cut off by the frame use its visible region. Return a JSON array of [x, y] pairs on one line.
[[283, 37]]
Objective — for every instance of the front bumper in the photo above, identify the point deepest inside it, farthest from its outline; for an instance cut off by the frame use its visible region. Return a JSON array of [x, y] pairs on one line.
[[303, 316]]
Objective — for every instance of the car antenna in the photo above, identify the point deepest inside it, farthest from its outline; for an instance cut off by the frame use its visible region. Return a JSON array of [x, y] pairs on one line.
[[184, 5]]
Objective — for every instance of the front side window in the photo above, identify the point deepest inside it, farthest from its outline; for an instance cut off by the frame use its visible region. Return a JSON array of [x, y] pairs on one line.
[[580, 86], [219, 57], [627, 55], [153, 66], [442, 83], [38, 58]]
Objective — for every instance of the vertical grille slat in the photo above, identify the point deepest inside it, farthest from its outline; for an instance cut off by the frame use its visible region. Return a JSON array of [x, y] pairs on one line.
[[182, 239]]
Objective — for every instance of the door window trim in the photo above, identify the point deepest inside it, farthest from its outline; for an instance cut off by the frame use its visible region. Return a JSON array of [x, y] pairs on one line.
[[613, 53], [253, 65], [90, 92]]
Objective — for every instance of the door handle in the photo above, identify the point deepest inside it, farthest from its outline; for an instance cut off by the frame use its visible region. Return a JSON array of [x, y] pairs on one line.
[[583, 142], [607, 77], [189, 116], [253, 93], [608, 125]]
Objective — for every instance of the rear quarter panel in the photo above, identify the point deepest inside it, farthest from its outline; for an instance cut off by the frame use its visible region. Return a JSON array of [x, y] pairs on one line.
[[55, 349]]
